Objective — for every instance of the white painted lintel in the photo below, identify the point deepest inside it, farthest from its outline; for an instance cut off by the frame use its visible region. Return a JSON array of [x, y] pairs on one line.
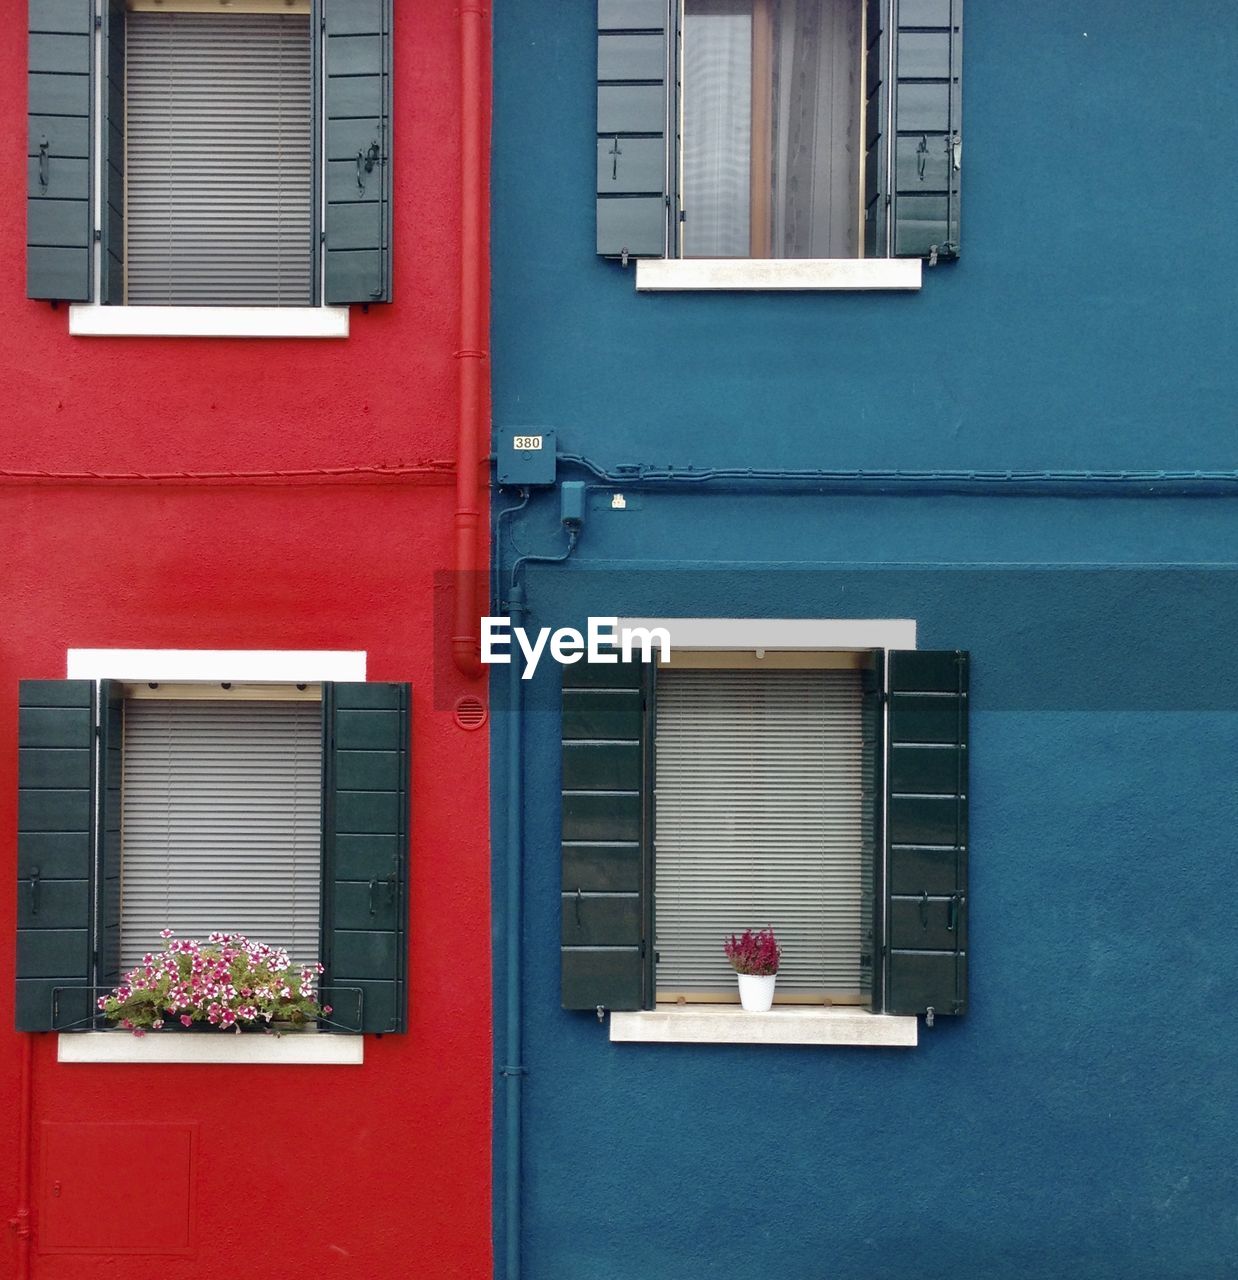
[[215, 1048], [90, 320], [261, 665], [783, 1024], [778, 274]]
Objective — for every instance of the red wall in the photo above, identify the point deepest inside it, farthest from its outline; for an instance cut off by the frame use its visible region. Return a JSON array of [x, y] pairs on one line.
[[379, 1170]]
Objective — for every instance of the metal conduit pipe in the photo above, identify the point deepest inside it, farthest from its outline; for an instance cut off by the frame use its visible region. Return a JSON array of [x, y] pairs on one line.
[[472, 353], [935, 482]]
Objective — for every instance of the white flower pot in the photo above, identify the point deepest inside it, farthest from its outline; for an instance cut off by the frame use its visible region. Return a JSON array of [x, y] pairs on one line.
[[756, 991]]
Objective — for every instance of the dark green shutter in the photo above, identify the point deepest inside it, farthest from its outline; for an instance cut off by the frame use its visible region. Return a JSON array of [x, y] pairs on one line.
[[60, 147], [632, 115], [606, 891], [928, 140], [926, 873], [357, 105], [111, 741], [112, 289], [872, 826], [55, 854], [366, 853], [876, 113]]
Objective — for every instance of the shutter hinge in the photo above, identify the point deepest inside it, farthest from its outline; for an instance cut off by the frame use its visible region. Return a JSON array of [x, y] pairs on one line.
[[929, 1014], [601, 1013], [932, 258]]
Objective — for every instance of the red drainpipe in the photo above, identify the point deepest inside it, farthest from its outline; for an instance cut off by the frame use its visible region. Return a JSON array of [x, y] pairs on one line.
[[20, 1221], [472, 353]]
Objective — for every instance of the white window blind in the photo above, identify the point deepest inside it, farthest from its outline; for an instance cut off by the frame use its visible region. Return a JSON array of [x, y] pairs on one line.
[[218, 159], [758, 821], [221, 823]]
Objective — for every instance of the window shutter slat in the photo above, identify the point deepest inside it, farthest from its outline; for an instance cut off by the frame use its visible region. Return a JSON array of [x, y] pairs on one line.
[[632, 113], [55, 862], [222, 813], [604, 837], [357, 104], [927, 798], [220, 149], [927, 141], [59, 211], [366, 854]]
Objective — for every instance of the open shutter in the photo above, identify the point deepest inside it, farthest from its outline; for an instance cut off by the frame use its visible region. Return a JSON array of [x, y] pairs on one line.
[[632, 124], [357, 105], [926, 880], [55, 862], [365, 854], [872, 825], [111, 741], [59, 215], [606, 823], [927, 59], [876, 117], [112, 289]]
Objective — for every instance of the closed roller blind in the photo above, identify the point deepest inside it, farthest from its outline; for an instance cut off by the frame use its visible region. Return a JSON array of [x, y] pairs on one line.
[[758, 821], [218, 159], [221, 823]]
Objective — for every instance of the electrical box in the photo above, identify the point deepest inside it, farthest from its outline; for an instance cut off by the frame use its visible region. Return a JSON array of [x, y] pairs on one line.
[[526, 457], [572, 503]]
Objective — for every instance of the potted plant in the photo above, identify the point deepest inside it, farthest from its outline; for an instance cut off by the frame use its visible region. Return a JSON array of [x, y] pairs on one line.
[[228, 983], [754, 957]]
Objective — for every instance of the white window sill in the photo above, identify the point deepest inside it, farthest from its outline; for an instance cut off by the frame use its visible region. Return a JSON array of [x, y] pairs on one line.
[[685, 274], [214, 1047], [784, 1024], [88, 320]]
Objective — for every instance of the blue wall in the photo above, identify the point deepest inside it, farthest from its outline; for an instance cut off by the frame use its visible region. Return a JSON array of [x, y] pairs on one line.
[[1081, 1119]]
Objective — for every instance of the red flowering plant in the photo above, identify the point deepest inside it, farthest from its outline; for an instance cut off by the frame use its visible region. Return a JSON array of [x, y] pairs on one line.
[[754, 953], [227, 982]]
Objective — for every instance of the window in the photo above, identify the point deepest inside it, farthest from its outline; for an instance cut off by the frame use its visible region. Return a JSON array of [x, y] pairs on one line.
[[277, 810], [823, 793], [221, 817], [762, 816], [210, 153], [779, 129]]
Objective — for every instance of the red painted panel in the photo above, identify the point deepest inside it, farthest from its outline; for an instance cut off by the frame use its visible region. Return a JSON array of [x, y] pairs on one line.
[[116, 1188], [382, 1171]]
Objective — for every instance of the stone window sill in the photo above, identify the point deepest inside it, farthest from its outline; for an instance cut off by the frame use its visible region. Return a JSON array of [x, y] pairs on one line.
[[777, 274], [784, 1024], [217, 1048], [88, 320]]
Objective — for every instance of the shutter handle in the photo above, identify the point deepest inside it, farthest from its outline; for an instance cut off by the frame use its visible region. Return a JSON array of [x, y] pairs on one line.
[[952, 913], [579, 897], [954, 149], [44, 161], [34, 891], [373, 889], [922, 156], [366, 160], [924, 910]]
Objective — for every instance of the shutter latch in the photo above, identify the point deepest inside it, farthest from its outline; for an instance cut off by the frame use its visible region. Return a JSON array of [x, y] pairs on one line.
[[366, 160], [44, 162], [34, 891]]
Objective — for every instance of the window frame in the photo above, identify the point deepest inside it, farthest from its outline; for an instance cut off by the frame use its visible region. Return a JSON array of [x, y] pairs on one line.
[[189, 668], [733, 637], [628, 73], [75, 196]]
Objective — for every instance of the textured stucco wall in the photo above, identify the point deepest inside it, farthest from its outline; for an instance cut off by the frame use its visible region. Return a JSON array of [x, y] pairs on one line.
[[1079, 1120], [376, 1171]]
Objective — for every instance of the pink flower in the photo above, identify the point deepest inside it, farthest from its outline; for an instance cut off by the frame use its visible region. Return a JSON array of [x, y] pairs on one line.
[[186, 1020], [165, 933]]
